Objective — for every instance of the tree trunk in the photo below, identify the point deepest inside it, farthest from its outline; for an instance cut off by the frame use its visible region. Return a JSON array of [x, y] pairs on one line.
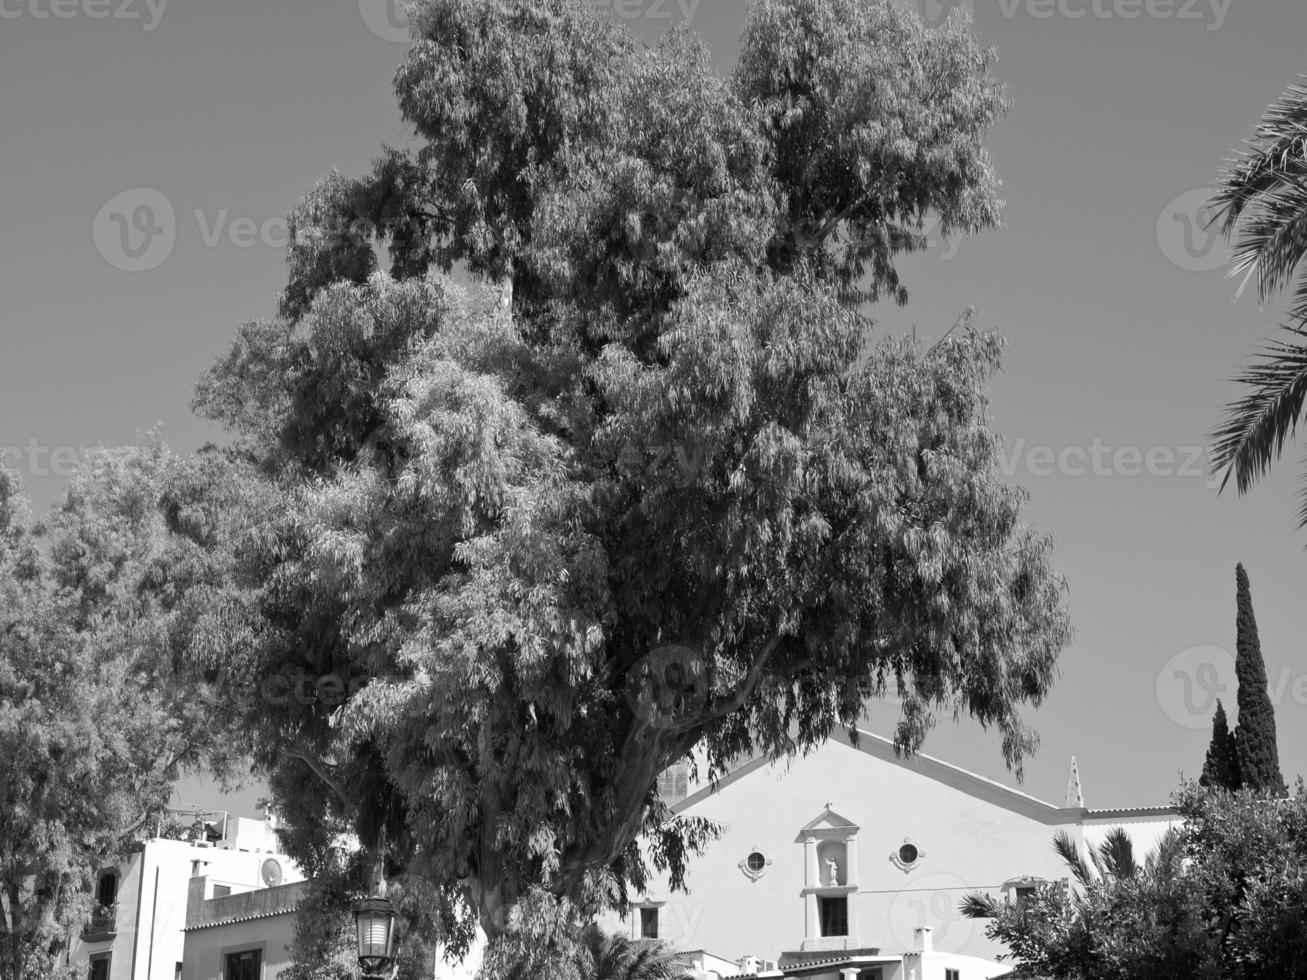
[[15, 936]]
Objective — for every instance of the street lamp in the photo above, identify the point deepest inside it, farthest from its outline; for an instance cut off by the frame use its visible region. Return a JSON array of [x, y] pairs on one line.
[[374, 920]]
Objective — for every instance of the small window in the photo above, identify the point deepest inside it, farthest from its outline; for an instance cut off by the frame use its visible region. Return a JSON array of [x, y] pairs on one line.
[[952, 974], [221, 891], [244, 966], [674, 783], [1025, 893], [649, 923], [908, 854], [834, 916], [756, 861], [106, 889], [99, 967]]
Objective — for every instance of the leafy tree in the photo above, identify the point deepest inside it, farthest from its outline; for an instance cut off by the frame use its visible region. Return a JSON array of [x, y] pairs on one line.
[[548, 939], [469, 543], [1221, 767], [96, 725], [1220, 898], [325, 945], [1123, 918], [1261, 205], [609, 957], [1258, 757]]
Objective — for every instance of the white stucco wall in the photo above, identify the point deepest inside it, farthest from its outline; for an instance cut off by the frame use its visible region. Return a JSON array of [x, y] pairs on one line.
[[152, 895], [974, 835], [207, 949]]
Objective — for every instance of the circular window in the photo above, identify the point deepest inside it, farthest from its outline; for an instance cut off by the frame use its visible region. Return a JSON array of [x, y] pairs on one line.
[[908, 854], [755, 863]]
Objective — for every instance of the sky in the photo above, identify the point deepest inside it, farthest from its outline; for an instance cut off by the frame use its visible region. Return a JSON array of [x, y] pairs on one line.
[[151, 150]]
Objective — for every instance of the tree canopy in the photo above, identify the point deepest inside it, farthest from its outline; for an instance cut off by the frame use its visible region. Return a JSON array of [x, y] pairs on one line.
[[646, 487], [98, 716], [1222, 897]]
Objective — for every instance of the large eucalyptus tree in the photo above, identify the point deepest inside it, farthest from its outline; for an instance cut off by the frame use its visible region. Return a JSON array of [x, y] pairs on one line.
[[646, 486]]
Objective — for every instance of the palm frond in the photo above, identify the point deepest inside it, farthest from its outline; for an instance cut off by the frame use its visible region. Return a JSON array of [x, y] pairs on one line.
[[1272, 235], [978, 905], [1117, 854], [1255, 428], [1277, 146], [1070, 854], [1163, 861]]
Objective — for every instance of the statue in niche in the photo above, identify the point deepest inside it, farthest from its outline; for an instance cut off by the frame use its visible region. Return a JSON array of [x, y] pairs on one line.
[[832, 872]]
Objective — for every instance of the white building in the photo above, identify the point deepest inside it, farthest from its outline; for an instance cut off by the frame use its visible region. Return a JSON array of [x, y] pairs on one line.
[[241, 936], [138, 929], [851, 862]]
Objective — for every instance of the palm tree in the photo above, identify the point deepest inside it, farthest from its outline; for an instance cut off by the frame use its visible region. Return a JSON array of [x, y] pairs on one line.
[[603, 956], [1111, 865], [1125, 918], [1261, 205]]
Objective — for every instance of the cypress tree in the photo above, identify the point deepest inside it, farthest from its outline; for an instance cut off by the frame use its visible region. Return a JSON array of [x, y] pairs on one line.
[[1256, 752], [1221, 767]]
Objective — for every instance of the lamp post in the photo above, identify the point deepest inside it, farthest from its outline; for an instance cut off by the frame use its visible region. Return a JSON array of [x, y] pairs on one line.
[[374, 921]]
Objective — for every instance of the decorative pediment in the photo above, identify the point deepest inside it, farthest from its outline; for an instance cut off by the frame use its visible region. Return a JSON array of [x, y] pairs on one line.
[[829, 821]]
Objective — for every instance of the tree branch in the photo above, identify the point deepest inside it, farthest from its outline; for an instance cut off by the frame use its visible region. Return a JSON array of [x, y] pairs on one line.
[[742, 693], [322, 772]]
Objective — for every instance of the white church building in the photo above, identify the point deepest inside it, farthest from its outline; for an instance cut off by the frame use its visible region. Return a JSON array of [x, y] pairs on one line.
[[849, 863]]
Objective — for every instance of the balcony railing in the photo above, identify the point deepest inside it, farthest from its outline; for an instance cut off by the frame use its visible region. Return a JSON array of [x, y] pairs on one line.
[[103, 921]]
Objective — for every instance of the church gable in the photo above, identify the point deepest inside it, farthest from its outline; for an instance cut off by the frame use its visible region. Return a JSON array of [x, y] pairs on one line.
[[829, 821], [873, 759]]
